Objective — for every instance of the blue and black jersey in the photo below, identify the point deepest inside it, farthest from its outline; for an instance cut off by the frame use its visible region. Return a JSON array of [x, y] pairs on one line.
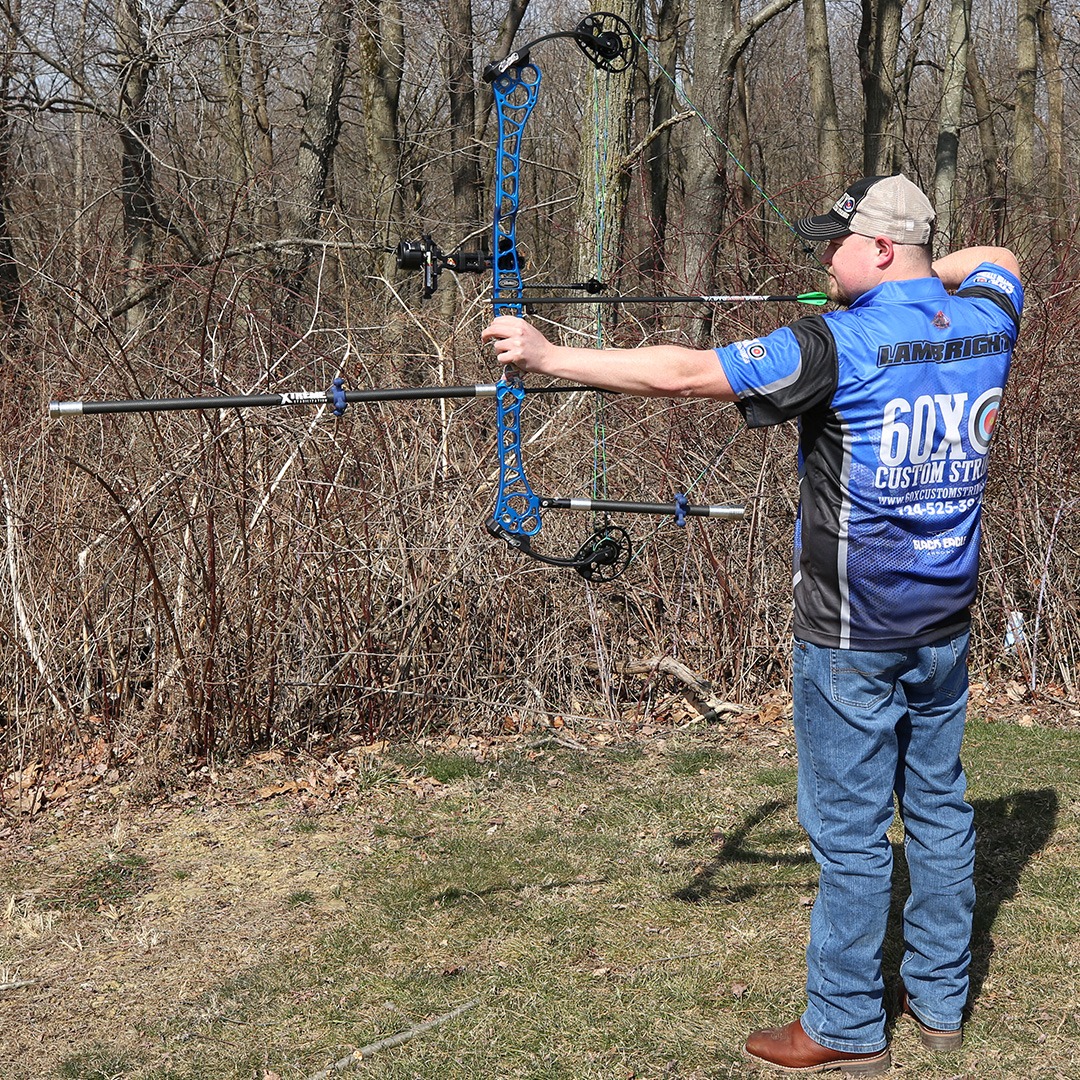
[[896, 399]]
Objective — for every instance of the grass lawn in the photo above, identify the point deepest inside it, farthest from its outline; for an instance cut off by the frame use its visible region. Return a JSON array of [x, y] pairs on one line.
[[628, 909]]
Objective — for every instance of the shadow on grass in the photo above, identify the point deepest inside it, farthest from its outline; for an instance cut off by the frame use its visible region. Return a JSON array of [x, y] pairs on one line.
[[1009, 831], [455, 894], [737, 849]]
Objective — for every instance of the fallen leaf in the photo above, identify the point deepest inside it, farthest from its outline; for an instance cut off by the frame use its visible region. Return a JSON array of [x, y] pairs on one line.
[[271, 790]]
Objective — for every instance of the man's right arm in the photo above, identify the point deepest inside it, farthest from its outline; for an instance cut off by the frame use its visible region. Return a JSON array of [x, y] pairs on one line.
[[957, 265]]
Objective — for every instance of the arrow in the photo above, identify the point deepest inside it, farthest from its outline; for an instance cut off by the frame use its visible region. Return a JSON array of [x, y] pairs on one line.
[[815, 299]]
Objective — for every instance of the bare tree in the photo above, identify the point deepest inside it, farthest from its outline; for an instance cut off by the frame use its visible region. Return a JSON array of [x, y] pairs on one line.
[[231, 27], [137, 59], [990, 154], [1055, 124], [10, 281], [879, 44], [605, 177], [461, 84], [906, 77], [319, 133], [948, 141], [381, 42], [830, 154], [1022, 160], [718, 44], [670, 16]]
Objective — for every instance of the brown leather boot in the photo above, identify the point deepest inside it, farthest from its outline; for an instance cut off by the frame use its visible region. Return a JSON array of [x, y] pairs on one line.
[[932, 1038], [790, 1049]]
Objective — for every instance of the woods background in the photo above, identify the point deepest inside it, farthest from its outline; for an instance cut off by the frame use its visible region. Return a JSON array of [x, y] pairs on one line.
[[204, 197]]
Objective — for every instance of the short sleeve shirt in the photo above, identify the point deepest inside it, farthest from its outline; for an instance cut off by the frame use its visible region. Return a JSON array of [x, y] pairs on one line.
[[896, 399]]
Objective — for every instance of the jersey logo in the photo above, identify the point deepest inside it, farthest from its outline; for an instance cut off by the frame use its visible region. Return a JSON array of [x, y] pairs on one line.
[[943, 352], [983, 417], [749, 351], [998, 281]]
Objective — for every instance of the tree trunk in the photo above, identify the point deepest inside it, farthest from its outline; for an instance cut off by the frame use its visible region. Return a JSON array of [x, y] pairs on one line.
[[1022, 166], [717, 48], [11, 305], [319, 135], [230, 30], [988, 146], [830, 152], [706, 165], [605, 146], [268, 211], [464, 156], [878, 46], [135, 61], [948, 140], [669, 18], [1055, 125], [907, 75], [382, 58]]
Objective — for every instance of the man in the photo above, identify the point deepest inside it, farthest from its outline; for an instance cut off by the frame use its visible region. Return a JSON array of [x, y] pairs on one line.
[[896, 395]]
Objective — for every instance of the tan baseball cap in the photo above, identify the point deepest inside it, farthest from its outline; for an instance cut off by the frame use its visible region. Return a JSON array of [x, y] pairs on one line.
[[889, 206]]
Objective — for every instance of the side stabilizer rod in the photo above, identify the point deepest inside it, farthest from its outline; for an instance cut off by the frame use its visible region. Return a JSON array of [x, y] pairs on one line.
[[676, 509]]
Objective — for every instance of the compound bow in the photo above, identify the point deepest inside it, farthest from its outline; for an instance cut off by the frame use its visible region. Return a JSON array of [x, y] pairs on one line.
[[609, 44]]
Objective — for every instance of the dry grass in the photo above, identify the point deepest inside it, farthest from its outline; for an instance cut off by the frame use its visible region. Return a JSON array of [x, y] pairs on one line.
[[621, 910]]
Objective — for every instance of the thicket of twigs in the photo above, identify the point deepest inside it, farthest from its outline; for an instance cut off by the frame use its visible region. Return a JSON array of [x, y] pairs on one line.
[[199, 583], [202, 582]]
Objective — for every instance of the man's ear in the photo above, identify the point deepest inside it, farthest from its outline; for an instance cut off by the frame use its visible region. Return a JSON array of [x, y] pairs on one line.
[[885, 251]]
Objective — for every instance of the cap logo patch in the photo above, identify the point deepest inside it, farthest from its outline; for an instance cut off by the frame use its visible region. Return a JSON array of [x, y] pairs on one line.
[[845, 205]]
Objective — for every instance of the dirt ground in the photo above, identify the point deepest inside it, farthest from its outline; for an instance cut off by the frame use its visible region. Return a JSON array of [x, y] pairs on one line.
[[108, 885]]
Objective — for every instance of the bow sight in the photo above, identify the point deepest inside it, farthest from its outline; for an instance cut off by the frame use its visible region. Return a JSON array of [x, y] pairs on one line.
[[424, 254]]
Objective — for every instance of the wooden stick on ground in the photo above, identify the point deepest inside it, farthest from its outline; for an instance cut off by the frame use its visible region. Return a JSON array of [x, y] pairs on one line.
[[701, 693], [392, 1040]]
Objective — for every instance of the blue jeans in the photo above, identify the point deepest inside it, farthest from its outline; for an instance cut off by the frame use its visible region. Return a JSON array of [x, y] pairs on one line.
[[868, 725]]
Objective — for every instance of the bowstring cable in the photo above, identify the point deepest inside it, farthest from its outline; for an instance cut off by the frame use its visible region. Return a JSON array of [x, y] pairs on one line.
[[684, 99], [600, 177], [601, 119]]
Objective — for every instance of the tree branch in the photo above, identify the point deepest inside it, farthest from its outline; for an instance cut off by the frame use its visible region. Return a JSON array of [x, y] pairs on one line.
[[392, 1040]]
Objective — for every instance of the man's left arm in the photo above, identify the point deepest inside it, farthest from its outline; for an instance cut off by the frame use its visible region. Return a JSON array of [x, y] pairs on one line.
[[647, 371]]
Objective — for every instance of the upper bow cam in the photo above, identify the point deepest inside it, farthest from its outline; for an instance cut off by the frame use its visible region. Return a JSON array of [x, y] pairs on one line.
[[604, 37]]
